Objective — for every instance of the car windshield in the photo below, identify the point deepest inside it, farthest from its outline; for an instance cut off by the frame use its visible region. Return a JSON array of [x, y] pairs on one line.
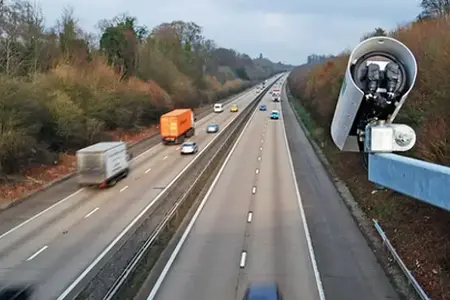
[[188, 144], [212, 125]]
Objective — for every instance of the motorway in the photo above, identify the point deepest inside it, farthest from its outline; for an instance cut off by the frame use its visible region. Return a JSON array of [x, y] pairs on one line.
[[53, 248], [272, 218], [250, 229]]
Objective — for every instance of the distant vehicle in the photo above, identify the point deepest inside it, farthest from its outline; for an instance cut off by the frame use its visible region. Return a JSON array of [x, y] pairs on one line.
[[261, 291], [262, 107], [234, 108], [276, 97], [189, 148], [212, 128], [275, 115], [103, 164], [177, 125], [218, 107]]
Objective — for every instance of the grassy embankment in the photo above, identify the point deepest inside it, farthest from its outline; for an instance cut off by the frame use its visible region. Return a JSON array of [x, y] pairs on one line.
[[420, 232], [59, 91]]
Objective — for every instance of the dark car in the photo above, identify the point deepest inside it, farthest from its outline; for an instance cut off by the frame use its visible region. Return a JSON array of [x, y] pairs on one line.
[[263, 291], [262, 107]]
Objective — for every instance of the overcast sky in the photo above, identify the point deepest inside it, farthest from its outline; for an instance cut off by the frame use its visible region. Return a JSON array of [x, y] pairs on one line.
[[283, 30]]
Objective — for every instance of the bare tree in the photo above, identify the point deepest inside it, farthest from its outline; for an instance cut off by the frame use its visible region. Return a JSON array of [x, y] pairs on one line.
[[434, 8]]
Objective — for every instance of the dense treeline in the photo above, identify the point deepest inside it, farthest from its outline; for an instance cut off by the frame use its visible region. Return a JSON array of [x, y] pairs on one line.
[[62, 88], [419, 231]]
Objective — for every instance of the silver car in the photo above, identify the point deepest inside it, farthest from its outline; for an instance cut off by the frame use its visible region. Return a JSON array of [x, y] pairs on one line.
[[189, 148], [212, 128]]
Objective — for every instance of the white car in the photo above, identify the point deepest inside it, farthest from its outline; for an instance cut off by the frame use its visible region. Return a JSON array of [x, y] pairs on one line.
[[189, 148], [218, 107]]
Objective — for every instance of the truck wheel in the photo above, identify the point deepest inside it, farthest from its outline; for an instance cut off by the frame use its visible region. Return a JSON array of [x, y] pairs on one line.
[[190, 133], [112, 183]]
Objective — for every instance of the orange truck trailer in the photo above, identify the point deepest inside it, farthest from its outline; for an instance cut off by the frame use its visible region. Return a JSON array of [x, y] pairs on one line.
[[177, 125]]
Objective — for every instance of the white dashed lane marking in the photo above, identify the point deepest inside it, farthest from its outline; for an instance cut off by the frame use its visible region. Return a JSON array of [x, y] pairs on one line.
[[37, 253], [91, 213]]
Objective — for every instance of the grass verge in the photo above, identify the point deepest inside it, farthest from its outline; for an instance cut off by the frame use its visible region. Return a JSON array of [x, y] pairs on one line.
[[419, 232]]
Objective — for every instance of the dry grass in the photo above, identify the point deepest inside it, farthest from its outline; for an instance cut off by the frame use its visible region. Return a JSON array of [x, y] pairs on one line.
[[420, 232]]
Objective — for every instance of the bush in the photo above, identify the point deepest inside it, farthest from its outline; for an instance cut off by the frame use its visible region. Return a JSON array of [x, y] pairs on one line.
[[427, 109], [418, 231], [60, 91]]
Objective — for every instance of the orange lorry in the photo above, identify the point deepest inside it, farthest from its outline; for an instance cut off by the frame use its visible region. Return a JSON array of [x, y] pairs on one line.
[[177, 125]]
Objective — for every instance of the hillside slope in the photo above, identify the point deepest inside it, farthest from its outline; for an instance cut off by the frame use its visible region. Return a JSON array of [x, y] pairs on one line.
[[61, 90], [228, 64]]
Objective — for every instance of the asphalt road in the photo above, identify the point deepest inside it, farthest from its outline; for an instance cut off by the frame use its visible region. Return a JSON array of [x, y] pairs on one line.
[[250, 229], [53, 248], [348, 267]]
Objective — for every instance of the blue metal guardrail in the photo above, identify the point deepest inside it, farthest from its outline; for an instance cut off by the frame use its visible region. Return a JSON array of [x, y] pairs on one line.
[[418, 179]]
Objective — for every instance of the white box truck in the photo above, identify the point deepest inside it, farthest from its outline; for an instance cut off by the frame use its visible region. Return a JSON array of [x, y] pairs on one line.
[[103, 164]]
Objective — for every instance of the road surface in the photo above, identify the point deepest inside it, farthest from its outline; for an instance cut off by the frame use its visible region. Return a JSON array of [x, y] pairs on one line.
[[54, 248], [348, 267], [250, 229]]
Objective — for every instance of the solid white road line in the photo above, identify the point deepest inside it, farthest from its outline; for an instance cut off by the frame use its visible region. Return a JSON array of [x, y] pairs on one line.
[[177, 249], [78, 191], [302, 213], [40, 214], [72, 286]]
